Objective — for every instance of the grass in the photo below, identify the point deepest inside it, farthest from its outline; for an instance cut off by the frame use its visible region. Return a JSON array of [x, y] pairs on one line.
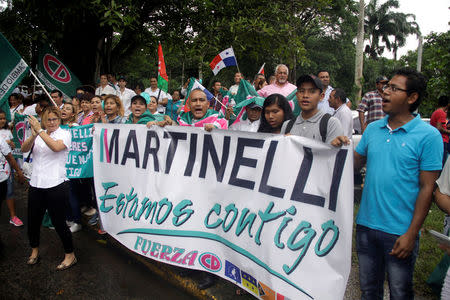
[[429, 252]]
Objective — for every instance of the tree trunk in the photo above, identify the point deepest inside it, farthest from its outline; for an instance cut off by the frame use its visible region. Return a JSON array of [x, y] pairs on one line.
[[419, 54], [98, 60], [359, 53], [200, 68]]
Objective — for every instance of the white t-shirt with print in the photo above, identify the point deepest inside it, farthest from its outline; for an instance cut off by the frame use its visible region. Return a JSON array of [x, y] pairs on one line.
[[4, 150]]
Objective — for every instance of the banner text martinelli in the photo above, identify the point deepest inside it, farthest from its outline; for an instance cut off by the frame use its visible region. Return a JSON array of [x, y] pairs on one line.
[[270, 213]]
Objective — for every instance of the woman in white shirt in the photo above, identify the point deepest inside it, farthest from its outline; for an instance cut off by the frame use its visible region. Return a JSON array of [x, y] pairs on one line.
[[48, 185]]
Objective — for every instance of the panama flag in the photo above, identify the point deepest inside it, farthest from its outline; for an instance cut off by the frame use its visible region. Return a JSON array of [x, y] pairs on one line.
[[224, 59], [261, 70], [12, 69], [163, 80]]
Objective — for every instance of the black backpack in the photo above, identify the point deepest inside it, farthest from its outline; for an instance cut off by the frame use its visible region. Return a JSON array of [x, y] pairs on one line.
[[323, 126]]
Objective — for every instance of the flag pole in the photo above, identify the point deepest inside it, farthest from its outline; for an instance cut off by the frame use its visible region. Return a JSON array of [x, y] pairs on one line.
[[223, 105], [37, 79], [237, 66]]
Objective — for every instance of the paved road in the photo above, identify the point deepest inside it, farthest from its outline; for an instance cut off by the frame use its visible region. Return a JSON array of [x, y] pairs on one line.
[[103, 271]]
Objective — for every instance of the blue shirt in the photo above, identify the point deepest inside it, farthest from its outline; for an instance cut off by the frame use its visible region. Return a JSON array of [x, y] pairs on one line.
[[171, 109], [394, 161]]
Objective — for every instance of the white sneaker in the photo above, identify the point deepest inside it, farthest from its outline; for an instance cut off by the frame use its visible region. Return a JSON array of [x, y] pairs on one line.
[[90, 212], [75, 227], [69, 223]]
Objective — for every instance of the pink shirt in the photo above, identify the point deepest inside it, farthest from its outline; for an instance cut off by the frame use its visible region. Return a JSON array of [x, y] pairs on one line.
[[273, 88]]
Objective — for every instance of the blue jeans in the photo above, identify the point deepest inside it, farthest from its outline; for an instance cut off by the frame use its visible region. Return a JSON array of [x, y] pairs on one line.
[[373, 248]]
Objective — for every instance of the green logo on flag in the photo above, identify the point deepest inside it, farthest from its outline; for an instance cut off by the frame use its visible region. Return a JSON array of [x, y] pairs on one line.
[[54, 74], [12, 69]]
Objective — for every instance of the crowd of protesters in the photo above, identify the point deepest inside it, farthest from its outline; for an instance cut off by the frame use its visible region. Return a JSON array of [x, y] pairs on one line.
[[403, 155]]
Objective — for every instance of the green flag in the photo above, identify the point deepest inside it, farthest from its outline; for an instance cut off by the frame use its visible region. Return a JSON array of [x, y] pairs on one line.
[[293, 102], [245, 89], [54, 74], [12, 69], [19, 133]]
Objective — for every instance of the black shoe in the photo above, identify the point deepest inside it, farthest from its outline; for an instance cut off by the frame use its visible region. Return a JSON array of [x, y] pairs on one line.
[[206, 282]]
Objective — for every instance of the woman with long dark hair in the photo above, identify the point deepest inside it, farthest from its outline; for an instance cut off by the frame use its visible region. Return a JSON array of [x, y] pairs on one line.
[[276, 110]]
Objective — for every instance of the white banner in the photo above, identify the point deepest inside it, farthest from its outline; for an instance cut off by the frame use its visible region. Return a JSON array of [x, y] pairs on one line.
[[270, 213]]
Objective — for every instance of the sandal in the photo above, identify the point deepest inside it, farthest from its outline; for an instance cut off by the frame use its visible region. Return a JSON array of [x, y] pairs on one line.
[[33, 260], [63, 266]]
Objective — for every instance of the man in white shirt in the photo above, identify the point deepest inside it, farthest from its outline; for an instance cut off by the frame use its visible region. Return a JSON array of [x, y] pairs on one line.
[[237, 79], [112, 81], [251, 124], [159, 94], [125, 94], [104, 88], [57, 96], [324, 76], [342, 113]]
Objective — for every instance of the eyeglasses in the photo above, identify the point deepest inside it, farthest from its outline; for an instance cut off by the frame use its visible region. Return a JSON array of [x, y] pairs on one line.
[[52, 120], [393, 88]]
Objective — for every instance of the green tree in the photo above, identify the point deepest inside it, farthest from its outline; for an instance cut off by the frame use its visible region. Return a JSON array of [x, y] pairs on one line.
[[382, 24], [435, 67]]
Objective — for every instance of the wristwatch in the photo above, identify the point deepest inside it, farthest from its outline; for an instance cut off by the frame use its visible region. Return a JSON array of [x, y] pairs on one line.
[[40, 130]]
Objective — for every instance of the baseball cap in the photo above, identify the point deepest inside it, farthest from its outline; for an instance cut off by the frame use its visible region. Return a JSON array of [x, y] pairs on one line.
[[310, 78], [254, 105], [121, 77], [381, 78]]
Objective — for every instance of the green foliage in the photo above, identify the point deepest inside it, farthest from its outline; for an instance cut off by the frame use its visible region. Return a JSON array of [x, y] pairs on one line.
[[429, 253], [381, 24], [435, 67]]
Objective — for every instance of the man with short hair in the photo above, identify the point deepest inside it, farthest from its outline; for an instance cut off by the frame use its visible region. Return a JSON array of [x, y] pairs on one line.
[[159, 94], [57, 97], [404, 156], [372, 103], [200, 115], [125, 94], [439, 120], [214, 104], [112, 81], [311, 122], [257, 79], [324, 76], [237, 79], [104, 87], [281, 84], [342, 112], [80, 90]]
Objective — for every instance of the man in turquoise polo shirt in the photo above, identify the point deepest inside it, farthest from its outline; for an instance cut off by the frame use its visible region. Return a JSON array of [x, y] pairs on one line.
[[404, 156]]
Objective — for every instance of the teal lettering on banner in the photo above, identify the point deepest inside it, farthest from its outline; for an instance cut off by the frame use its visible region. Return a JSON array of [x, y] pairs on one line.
[[79, 161]]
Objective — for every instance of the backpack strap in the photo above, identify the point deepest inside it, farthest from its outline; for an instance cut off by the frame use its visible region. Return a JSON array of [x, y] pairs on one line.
[[289, 126], [323, 126]]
